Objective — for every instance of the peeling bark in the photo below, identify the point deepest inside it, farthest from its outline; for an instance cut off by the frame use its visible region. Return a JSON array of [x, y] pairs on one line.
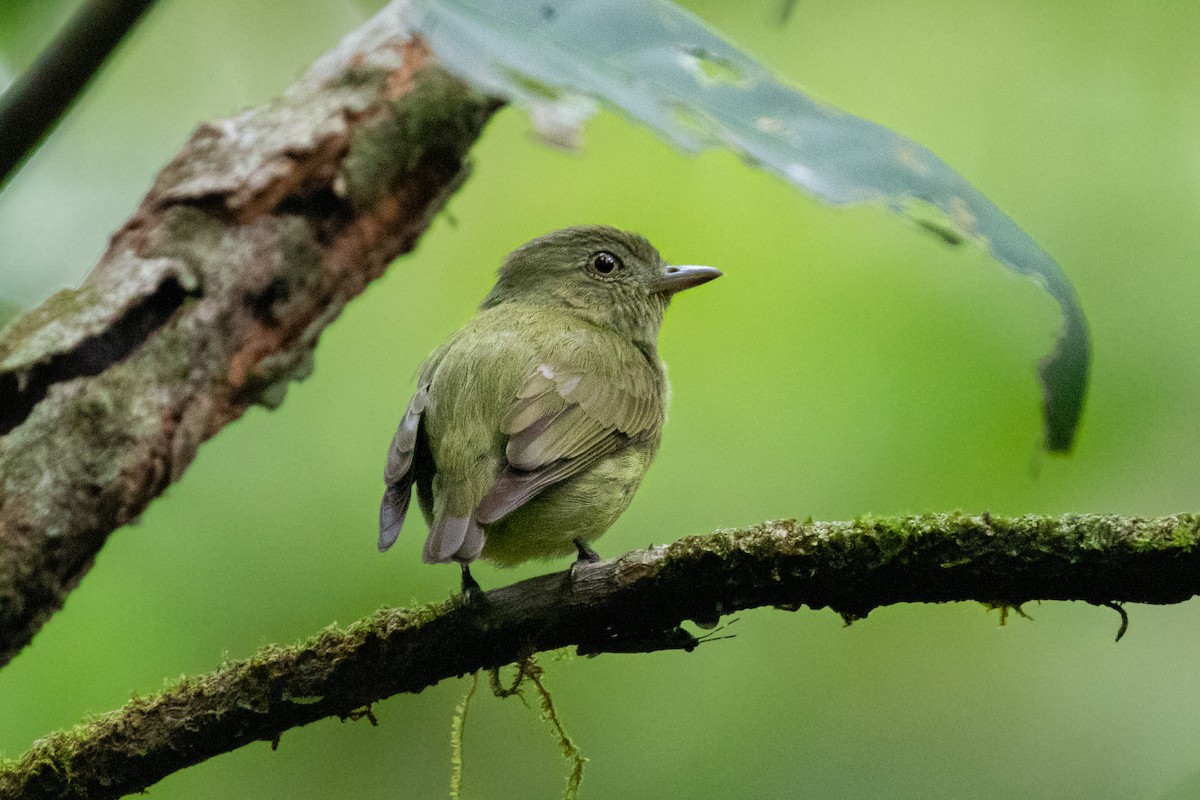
[[211, 297], [631, 604]]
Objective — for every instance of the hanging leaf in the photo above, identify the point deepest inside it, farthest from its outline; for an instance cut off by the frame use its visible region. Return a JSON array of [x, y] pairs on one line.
[[665, 68]]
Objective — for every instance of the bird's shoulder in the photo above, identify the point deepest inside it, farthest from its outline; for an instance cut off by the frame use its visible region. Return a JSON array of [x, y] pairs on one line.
[[516, 342]]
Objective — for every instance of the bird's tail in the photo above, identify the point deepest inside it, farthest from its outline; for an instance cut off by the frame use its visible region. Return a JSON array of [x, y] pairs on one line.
[[450, 539]]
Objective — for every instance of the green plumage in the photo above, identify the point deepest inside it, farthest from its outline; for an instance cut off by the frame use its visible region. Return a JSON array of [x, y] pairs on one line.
[[534, 423]]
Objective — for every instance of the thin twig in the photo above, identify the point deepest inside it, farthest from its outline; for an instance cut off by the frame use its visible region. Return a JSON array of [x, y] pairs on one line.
[[1124, 626], [35, 101], [570, 750]]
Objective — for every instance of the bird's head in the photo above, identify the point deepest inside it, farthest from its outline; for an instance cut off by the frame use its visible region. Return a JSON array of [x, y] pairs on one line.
[[612, 278]]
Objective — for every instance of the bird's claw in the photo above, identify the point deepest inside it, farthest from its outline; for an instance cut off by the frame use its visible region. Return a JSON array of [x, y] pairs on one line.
[[472, 592], [586, 554]]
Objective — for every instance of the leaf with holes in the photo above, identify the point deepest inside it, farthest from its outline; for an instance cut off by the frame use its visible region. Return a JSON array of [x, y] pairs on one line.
[[666, 69]]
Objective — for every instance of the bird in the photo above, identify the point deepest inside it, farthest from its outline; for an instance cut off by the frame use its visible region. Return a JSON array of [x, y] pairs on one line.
[[532, 426]]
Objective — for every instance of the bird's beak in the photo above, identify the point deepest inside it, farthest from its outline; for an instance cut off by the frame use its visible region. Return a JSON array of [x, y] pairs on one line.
[[676, 279]]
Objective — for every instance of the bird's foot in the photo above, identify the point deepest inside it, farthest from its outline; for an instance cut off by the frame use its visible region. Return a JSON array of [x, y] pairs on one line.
[[471, 590], [586, 553], [586, 556]]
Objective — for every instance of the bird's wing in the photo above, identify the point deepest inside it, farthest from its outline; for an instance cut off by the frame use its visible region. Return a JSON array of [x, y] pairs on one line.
[[399, 474], [564, 421]]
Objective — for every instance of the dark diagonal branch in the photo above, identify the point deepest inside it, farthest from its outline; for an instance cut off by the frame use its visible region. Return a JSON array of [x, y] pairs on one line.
[[34, 102], [631, 604], [211, 297]]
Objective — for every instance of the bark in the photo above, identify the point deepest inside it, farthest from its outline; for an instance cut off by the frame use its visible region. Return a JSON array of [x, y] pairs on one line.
[[631, 604], [211, 297]]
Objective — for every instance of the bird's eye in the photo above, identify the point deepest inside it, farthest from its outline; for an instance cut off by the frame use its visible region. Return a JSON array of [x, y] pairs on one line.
[[605, 263]]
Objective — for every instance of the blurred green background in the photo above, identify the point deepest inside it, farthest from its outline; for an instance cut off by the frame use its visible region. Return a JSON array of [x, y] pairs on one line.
[[845, 365]]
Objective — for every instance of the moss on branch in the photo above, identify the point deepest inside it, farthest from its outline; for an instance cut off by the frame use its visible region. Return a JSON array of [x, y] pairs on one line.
[[631, 604]]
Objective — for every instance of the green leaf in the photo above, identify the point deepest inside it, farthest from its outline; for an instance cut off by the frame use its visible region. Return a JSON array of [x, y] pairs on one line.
[[666, 69]]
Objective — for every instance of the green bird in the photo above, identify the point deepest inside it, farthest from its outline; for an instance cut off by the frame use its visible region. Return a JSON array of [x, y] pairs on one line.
[[533, 424]]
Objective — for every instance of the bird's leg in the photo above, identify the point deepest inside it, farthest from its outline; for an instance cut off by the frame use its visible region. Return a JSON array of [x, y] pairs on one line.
[[586, 553], [471, 589]]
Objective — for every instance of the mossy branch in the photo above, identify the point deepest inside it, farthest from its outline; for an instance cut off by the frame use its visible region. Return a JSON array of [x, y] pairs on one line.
[[211, 297], [631, 604]]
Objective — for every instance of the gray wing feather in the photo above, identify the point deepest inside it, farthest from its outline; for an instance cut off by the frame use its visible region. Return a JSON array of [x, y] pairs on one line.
[[398, 474], [515, 487], [562, 423], [392, 510]]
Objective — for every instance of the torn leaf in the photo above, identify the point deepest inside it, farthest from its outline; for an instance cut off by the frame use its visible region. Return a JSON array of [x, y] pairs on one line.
[[665, 68]]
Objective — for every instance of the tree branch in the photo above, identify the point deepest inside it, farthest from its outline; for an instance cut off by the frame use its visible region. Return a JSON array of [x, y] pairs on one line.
[[32, 105], [630, 604], [212, 296]]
